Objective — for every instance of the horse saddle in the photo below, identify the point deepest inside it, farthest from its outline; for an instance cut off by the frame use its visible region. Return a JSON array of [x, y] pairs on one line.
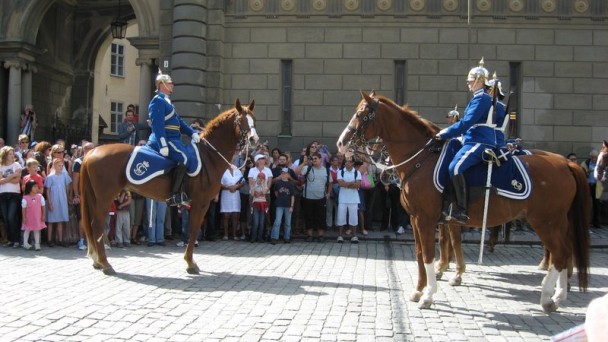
[[510, 179], [145, 163]]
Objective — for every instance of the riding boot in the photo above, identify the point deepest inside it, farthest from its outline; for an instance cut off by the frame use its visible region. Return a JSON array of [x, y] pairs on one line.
[[446, 202], [178, 197], [458, 210]]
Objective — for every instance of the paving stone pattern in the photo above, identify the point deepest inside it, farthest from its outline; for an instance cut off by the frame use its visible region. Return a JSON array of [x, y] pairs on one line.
[[287, 292]]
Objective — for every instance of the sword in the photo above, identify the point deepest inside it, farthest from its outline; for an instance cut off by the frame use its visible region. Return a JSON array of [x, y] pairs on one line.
[[485, 205], [489, 178]]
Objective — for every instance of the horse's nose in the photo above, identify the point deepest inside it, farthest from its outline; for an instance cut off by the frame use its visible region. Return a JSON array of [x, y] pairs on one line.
[[253, 139]]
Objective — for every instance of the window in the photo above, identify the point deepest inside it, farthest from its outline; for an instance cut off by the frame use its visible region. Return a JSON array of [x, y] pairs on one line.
[[287, 88], [116, 116], [117, 60], [400, 79]]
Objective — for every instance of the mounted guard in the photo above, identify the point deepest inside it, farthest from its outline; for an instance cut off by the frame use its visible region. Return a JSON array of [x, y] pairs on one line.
[[166, 138], [478, 128]]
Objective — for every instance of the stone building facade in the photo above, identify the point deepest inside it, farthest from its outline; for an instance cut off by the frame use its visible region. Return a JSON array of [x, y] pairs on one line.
[[304, 61]]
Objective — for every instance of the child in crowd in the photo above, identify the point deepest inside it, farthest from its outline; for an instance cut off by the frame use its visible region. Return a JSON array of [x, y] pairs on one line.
[[32, 166], [259, 208], [56, 184], [285, 199], [123, 219], [33, 210]]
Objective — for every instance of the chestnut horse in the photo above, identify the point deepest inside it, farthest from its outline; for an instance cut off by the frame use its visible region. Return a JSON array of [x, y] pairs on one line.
[[558, 207], [103, 176]]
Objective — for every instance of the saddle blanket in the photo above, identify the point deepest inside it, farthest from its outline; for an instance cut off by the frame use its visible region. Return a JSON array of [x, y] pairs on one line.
[[510, 179], [146, 163]]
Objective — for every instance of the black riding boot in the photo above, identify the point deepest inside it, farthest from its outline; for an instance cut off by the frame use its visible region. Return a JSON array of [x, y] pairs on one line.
[[178, 197], [458, 210]]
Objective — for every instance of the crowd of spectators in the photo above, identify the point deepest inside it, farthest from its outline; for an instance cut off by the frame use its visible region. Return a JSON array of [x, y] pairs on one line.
[[271, 197]]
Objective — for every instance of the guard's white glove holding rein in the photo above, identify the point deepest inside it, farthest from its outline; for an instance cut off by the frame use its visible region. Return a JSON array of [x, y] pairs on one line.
[[164, 151], [196, 138], [438, 135]]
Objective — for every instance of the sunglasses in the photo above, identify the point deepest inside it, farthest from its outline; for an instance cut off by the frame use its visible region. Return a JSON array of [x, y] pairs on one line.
[[59, 152], [23, 142]]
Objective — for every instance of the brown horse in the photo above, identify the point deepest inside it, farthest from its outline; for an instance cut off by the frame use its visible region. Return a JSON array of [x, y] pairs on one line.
[[103, 175], [557, 209]]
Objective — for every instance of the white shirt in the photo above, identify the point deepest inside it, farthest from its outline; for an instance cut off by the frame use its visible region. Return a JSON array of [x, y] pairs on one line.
[[349, 195], [253, 174], [7, 170]]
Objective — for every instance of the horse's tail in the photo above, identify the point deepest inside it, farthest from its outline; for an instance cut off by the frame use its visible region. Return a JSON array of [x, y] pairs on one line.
[[579, 215], [87, 207]]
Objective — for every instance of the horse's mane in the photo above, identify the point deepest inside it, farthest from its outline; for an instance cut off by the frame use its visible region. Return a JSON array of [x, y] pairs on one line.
[[412, 117], [217, 122]]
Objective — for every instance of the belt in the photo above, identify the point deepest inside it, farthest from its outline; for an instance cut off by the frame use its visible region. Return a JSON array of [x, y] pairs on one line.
[[173, 127]]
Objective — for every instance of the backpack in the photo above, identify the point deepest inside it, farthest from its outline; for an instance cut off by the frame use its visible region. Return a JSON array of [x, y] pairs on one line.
[[305, 178]]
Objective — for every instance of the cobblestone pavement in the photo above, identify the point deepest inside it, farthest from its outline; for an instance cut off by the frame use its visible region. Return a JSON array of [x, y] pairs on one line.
[[287, 292]]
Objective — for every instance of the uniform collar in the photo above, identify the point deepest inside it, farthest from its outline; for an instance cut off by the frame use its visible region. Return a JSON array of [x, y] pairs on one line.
[[479, 92]]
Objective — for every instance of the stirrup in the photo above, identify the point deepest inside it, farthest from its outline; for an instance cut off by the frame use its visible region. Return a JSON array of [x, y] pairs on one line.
[[178, 198], [456, 214]]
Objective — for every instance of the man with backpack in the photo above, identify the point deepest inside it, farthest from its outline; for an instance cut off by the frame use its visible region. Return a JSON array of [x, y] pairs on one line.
[[348, 200], [316, 190]]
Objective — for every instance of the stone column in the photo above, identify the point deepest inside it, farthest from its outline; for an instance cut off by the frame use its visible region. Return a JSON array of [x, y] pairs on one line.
[[145, 90], [14, 100], [26, 85], [188, 61]]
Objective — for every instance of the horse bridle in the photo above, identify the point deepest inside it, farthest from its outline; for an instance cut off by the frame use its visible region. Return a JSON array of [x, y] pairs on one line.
[[358, 140], [244, 132], [358, 137]]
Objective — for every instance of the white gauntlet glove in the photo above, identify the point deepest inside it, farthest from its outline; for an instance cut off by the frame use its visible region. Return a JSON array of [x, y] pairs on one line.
[[196, 138], [438, 135], [164, 151]]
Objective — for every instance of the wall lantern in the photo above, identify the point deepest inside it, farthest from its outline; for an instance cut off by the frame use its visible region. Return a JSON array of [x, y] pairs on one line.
[[119, 26]]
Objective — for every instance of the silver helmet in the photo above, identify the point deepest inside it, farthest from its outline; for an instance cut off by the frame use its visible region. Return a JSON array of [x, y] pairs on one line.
[[454, 113], [495, 84], [479, 72], [162, 78]]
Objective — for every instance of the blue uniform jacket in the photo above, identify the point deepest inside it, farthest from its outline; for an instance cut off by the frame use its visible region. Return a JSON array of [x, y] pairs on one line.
[[166, 123], [473, 126]]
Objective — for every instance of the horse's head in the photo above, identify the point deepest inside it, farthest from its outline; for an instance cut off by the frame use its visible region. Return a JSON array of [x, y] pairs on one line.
[[245, 123], [360, 127]]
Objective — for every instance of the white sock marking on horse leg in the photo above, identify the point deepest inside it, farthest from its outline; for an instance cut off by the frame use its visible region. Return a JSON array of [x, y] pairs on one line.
[[431, 283], [561, 291], [548, 285]]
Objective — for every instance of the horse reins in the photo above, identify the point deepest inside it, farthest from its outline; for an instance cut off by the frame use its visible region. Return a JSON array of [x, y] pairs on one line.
[[358, 136], [242, 142]]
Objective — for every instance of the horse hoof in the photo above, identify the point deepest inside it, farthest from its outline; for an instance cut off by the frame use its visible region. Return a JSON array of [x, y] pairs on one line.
[[438, 274], [425, 304], [193, 270], [456, 281], [549, 307], [109, 271], [415, 296], [97, 266]]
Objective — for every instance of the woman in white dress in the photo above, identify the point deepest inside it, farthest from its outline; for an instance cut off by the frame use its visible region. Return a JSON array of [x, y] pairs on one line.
[[230, 204]]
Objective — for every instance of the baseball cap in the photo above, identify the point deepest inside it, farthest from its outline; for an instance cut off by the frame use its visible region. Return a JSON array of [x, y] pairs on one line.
[[258, 157], [285, 170]]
